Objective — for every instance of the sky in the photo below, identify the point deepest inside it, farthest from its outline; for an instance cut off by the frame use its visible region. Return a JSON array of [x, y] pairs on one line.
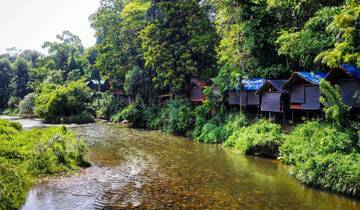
[[27, 24]]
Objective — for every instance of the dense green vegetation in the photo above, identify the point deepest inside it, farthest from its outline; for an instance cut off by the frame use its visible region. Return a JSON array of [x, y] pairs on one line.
[[26, 155], [64, 104], [261, 138], [324, 156]]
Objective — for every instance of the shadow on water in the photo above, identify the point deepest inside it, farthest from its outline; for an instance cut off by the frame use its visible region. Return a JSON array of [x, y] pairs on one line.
[[135, 169]]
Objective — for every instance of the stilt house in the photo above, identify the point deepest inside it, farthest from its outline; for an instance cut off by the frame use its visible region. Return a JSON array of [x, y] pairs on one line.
[[304, 90], [274, 98], [247, 92], [197, 90], [348, 78]]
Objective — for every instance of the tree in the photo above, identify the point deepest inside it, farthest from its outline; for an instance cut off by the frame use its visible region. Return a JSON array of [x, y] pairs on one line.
[[346, 27], [20, 80], [303, 46], [106, 22], [66, 55], [179, 43], [5, 79]]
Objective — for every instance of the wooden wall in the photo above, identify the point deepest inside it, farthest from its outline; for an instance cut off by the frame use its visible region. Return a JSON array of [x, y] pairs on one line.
[[271, 102], [348, 89], [234, 98], [253, 99], [196, 93]]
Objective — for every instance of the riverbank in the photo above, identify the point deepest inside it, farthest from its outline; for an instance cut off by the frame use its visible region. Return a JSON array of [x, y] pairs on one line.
[[26, 155]]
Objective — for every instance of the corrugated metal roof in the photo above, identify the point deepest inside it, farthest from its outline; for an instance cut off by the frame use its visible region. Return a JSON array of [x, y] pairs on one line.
[[351, 69], [253, 84], [278, 84], [311, 77]]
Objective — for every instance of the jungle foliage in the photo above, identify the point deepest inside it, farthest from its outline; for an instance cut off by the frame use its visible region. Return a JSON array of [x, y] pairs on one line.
[[324, 156], [26, 155]]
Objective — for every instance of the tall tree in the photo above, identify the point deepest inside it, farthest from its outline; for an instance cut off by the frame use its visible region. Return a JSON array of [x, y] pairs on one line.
[[66, 55], [106, 22], [179, 43], [346, 27], [20, 79], [5, 79]]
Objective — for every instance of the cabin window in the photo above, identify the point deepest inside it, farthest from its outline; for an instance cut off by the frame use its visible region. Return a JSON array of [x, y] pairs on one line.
[[297, 94]]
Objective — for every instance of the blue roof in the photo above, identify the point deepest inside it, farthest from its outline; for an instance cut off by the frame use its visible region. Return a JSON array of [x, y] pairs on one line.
[[96, 82], [351, 69], [253, 84], [311, 77]]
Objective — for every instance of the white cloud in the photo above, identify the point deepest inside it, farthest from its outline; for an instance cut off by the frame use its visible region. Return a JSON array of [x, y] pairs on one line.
[[27, 24]]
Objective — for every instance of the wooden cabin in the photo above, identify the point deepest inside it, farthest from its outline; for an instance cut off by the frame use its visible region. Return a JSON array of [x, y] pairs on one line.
[[118, 91], [197, 90], [274, 98], [163, 98], [304, 90], [98, 85], [348, 78], [249, 98]]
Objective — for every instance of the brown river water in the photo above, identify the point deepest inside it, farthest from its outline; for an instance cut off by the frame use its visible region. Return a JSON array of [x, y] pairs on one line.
[[135, 169]]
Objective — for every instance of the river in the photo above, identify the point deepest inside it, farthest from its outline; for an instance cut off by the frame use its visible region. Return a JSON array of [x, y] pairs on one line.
[[136, 169]]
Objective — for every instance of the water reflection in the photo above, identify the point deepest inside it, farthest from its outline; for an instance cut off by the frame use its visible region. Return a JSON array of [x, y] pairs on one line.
[[150, 170]]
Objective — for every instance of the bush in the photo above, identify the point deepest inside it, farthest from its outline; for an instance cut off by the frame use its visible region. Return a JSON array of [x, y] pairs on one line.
[[235, 123], [57, 104], [130, 113], [14, 184], [27, 105], [335, 172], [312, 139], [178, 116], [105, 105], [324, 156], [25, 155], [261, 138], [152, 118], [211, 133]]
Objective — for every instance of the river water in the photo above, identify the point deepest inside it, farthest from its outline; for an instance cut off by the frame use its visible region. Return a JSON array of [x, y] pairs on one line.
[[135, 169]]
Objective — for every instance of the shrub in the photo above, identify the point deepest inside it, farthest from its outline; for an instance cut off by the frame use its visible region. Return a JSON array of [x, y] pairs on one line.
[[105, 105], [178, 116], [27, 105], [312, 139], [201, 115], [261, 138], [130, 113], [324, 156], [27, 154], [14, 184], [334, 106], [235, 123], [211, 133], [8, 128], [335, 172], [152, 118], [56, 104]]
